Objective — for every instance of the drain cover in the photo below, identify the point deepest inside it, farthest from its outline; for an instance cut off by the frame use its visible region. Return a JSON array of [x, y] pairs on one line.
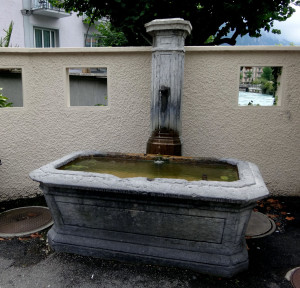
[[295, 278], [260, 225], [24, 221]]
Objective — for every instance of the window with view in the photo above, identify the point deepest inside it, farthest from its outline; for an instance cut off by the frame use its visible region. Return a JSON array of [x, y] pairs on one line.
[[260, 86], [44, 38], [88, 86], [11, 91]]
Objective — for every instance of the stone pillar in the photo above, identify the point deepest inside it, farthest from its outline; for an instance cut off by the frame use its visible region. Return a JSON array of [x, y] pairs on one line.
[[167, 79]]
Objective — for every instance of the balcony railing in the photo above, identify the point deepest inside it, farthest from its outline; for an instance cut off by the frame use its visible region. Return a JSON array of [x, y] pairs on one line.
[[43, 7]]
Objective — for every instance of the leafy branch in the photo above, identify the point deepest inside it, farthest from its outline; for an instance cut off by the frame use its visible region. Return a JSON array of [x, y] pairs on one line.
[[3, 101], [4, 42], [214, 22]]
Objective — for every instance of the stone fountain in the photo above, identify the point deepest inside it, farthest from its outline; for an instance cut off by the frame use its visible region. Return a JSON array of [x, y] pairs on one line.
[[197, 224]]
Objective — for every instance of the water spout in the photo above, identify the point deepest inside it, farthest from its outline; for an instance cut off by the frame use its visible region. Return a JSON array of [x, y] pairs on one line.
[[159, 162]]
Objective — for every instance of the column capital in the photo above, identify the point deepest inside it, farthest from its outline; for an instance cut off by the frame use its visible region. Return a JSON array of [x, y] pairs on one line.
[[168, 24]]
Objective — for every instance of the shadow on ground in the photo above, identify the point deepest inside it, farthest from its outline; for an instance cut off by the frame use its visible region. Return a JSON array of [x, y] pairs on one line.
[[28, 261]]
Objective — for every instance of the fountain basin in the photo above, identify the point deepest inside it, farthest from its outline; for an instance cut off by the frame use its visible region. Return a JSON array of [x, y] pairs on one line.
[[199, 225]]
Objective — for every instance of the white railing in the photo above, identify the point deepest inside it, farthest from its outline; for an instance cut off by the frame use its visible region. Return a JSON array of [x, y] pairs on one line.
[[44, 4]]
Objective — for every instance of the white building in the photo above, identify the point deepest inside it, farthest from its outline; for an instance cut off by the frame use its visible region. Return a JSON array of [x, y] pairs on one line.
[[38, 24]]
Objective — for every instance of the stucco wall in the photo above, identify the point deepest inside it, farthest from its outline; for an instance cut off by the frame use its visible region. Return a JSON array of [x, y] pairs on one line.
[[214, 125], [212, 122]]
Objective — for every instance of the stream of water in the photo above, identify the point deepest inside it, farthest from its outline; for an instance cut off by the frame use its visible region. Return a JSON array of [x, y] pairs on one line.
[[257, 98]]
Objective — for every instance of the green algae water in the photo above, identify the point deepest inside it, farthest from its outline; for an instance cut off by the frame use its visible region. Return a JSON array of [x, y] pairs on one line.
[[128, 168]]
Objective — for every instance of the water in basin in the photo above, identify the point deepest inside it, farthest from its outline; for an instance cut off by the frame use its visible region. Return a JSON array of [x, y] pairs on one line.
[[127, 168]]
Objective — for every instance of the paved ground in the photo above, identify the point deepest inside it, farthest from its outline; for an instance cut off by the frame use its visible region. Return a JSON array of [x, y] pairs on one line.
[[28, 262]]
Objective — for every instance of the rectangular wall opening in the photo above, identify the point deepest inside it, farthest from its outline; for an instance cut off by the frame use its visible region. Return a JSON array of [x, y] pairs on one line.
[[11, 93], [88, 86], [259, 86]]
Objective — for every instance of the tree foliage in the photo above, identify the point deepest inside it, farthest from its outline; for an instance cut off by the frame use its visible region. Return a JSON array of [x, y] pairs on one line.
[[267, 74], [107, 35], [4, 101], [269, 81], [5, 41], [249, 74], [212, 20]]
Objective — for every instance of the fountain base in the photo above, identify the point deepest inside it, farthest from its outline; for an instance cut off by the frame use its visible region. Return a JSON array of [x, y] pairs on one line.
[[198, 225], [153, 231], [164, 143]]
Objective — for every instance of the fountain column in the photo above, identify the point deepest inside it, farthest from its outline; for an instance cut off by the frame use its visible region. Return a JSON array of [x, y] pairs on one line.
[[167, 79]]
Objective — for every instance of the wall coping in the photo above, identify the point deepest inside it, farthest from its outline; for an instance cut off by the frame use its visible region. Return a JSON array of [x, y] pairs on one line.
[[242, 48], [76, 50], [142, 49]]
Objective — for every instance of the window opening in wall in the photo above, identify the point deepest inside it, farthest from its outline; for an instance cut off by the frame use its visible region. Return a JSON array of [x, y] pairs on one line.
[[44, 38], [259, 85], [11, 94], [88, 86]]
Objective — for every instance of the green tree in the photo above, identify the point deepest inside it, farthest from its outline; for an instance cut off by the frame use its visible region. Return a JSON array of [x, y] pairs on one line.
[[248, 75], [267, 87], [267, 74], [267, 81], [5, 41], [3, 101], [108, 35], [256, 81], [214, 22]]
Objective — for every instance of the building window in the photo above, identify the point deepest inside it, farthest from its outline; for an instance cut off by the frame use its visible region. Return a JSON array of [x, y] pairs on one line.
[[91, 41], [44, 38]]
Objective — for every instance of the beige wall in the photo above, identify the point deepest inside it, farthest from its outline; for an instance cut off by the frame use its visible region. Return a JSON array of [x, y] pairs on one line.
[[213, 125]]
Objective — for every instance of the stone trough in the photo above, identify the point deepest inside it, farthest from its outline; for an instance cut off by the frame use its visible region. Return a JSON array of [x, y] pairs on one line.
[[164, 220], [199, 225]]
